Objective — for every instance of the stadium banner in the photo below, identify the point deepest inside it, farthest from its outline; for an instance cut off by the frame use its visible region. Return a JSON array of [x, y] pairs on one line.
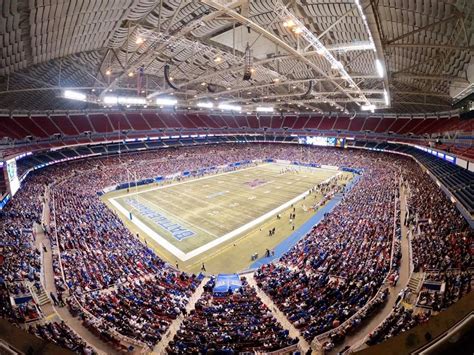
[[330, 167], [159, 178], [4, 200], [226, 282], [351, 170], [109, 188], [282, 161], [11, 176], [172, 176]]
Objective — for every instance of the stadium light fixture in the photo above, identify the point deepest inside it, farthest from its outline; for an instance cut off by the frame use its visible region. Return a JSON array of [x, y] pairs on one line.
[[292, 21], [162, 101], [379, 68], [264, 109], [386, 97], [124, 100], [205, 104], [228, 107], [368, 108], [74, 95]]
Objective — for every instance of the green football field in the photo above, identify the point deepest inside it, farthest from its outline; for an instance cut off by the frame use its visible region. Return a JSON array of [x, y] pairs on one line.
[[195, 217]]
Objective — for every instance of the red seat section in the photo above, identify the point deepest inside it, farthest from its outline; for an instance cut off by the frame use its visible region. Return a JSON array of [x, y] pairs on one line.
[[410, 126], [100, 122], [443, 124], [82, 123], [398, 125], [424, 127], [385, 124], [342, 123], [241, 121], [196, 120], [65, 125], [313, 122], [300, 122], [153, 120], [169, 119], [371, 123], [265, 121], [30, 126], [230, 121], [46, 124], [289, 122], [326, 123], [253, 121], [209, 121], [220, 122], [10, 128], [184, 120], [119, 121], [276, 122], [137, 121], [356, 124]]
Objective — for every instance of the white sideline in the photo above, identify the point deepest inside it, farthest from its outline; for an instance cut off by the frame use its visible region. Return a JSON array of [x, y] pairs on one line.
[[203, 248]]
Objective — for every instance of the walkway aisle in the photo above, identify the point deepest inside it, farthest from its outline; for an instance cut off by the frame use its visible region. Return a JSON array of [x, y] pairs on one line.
[[280, 317], [160, 348], [356, 340], [49, 286]]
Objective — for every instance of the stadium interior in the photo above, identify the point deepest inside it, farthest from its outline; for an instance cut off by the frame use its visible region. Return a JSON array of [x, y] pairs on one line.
[[236, 176]]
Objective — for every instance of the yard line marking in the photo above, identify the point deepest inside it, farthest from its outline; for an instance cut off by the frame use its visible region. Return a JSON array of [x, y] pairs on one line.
[[172, 198], [205, 203]]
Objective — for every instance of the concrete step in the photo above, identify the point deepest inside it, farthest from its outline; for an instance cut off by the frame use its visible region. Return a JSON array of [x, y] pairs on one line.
[[413, 284], [43, 299]]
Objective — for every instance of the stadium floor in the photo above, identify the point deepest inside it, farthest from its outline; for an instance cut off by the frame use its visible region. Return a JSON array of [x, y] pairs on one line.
[[223, 219]]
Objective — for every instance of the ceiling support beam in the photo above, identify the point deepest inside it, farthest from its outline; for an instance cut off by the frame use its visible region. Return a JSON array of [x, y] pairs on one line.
[[431, 45], [274, 39], [448, 19], [150, 53], [314, 93], [408, 75], [370, 7], [336, 22], [280, 83]]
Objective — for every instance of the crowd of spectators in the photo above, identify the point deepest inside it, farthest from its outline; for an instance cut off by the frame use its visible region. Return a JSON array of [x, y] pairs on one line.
[[143, 309], [321, 282], [442, 238], [236, 322], [19, 257], [442, 289], [400, 320], [61, 334], [341, 264]]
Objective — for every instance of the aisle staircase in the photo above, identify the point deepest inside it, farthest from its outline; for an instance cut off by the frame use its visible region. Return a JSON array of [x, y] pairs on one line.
[[40, 296], [414, 286]]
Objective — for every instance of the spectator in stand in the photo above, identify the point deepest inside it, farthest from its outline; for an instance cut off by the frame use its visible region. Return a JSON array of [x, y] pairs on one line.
[[236, 322], [62, 335]]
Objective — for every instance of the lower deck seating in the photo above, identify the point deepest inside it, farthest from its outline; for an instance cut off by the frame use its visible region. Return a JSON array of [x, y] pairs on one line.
[[233, 323]]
